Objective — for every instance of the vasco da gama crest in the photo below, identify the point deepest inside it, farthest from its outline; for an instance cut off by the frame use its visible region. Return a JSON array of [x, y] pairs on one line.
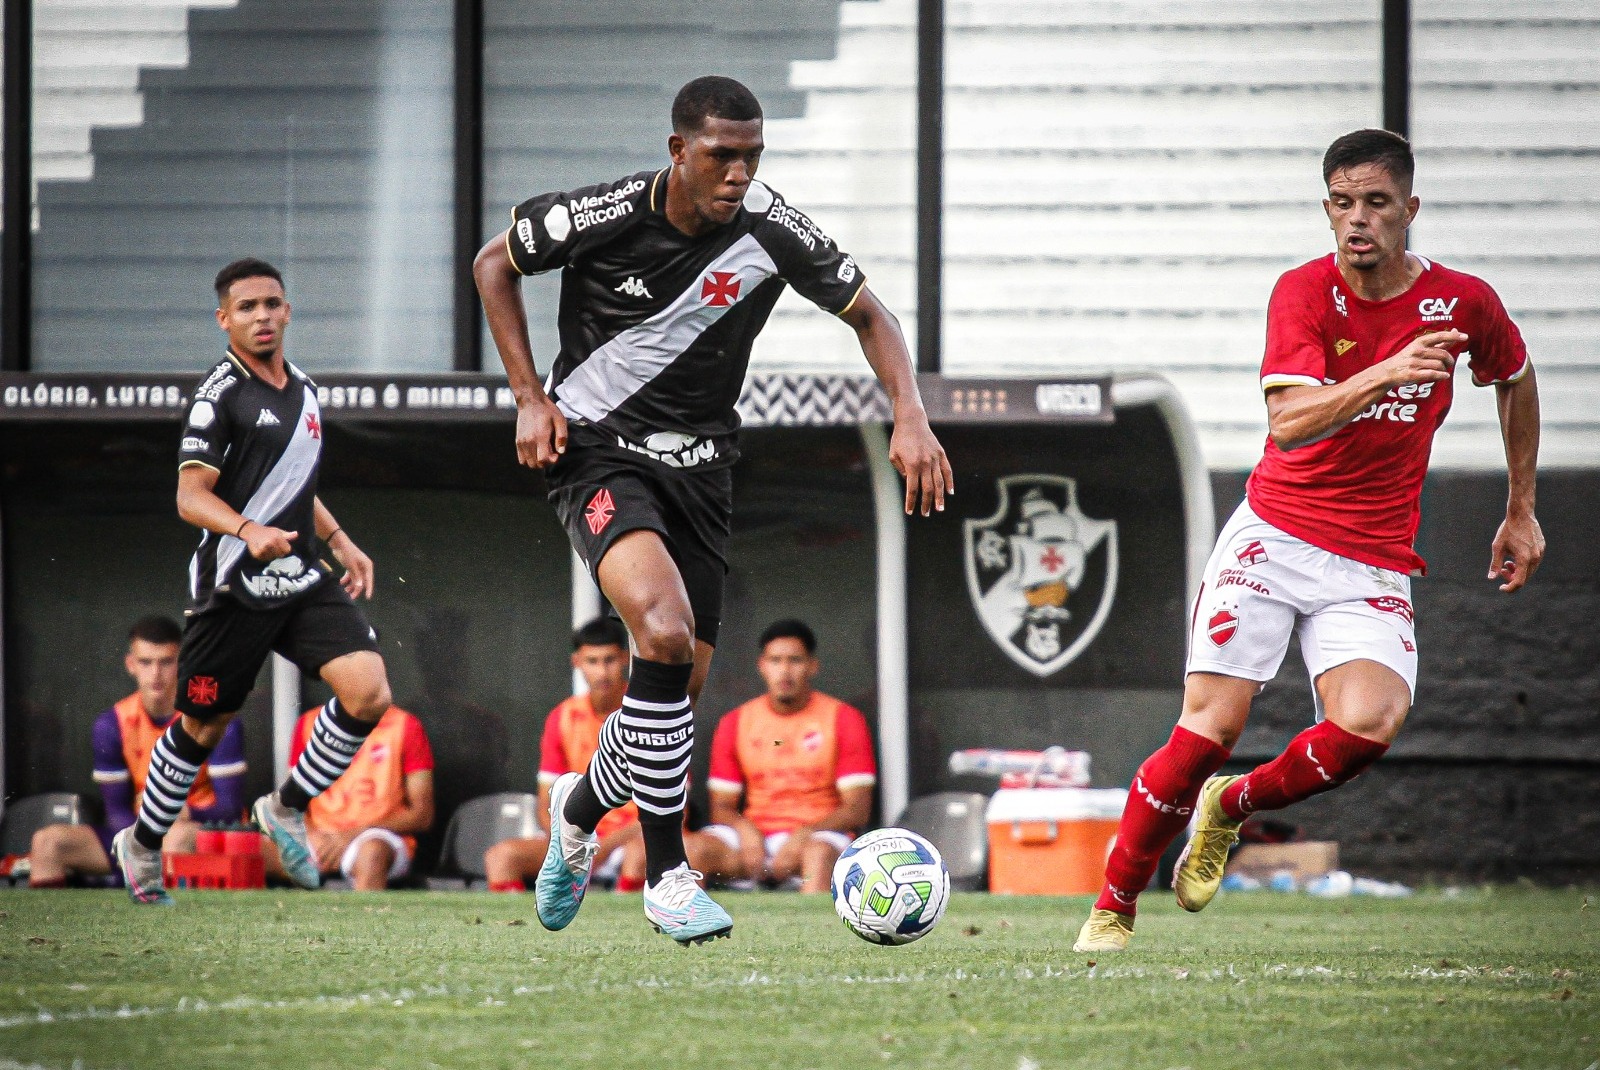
[[1041, 573]]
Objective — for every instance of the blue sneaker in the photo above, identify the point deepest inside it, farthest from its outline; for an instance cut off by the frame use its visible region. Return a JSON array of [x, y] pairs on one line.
[[564, 877], [286, 827], [678, 907], [141, 870]]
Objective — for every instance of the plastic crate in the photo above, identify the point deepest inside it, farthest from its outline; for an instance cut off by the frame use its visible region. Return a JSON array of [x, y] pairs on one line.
[[211, 871]]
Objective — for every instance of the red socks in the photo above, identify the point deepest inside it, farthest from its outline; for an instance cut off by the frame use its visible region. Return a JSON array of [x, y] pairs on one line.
[[1160, 804], [507, 886], [1319, 759]]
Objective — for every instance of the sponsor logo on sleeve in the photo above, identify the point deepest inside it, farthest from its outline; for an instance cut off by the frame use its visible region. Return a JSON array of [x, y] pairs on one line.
[[594, 209], [797, 223], [525, 236], [195, 444], [218, 381], [847, 269], [203, 415]]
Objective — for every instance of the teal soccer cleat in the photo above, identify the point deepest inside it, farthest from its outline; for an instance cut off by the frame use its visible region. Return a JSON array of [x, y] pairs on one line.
[[287, 829], [141, 870], [564, 877], [678, 907]]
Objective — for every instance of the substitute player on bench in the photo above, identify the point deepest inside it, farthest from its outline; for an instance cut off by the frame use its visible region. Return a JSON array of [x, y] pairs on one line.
[[247, 477], [667, 277], [1361, 346]]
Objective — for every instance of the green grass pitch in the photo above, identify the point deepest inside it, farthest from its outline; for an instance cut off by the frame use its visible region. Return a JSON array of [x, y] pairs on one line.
[[1495, 978]]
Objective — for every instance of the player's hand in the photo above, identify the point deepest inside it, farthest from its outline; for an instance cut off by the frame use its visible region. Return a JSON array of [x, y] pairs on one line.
[[359, 575], [541, 433], [1430, 358], [1518, 549], [917, 455], [267, 544], [753, 853]]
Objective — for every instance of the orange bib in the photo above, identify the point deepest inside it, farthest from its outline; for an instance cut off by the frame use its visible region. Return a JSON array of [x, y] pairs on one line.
[[372, 789], [139, 738], [789, 763]]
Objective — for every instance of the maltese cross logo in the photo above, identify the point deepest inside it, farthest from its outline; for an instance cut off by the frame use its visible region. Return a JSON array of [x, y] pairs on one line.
[[203, 690], [313, 425], [600, 511], [719, 289]]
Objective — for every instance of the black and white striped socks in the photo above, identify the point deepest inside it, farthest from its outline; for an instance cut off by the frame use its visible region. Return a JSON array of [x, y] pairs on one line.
[[174, 763], [335, 738], [644, 754]]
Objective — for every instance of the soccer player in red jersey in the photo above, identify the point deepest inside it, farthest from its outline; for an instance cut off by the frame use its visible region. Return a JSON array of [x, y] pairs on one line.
[[1361, 348]]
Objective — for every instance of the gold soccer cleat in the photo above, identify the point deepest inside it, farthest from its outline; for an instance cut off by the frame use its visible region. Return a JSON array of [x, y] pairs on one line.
[[1106, 930], [1199, 871]]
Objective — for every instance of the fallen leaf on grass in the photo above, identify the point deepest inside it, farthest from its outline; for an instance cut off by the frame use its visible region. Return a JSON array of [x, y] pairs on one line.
[[1439, 1000], [1180, 973], [1562, 996], [1092, 1012], [1092, 963], [516, 921], [1004, 922], [1445, 964], [971, 930], [40, 940]]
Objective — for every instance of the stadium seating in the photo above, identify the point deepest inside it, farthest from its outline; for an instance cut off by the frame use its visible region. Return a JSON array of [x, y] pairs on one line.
[[478, 824], [953, 821]]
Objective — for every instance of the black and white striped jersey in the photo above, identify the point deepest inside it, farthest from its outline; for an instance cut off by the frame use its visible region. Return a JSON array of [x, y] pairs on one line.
[[266, 445], [656, 326]]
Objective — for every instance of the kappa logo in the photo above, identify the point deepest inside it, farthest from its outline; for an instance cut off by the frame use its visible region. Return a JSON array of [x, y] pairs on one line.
[[1338, 302], [719, 289], [1042, 574], [267, 419], [633, 287], [1251, 553], [203, 690], [1437, 309], [1343, 346], [1222, 627], [600, 510]]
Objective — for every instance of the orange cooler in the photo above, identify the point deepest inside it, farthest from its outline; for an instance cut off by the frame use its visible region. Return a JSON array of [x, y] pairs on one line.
[[1051, 841]]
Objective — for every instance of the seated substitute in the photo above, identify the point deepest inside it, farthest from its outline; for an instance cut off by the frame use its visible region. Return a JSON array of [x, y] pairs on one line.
[[364, 826], [123, 739], [801, 760]]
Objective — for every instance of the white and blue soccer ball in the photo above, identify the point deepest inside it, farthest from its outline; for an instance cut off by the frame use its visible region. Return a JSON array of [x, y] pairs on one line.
[[890, 886]]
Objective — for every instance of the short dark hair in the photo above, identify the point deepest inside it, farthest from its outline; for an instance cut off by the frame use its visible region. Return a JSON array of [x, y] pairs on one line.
[[602, 631], [1382, 147], [712, 97], [245, 268], [156, 629], [790, 628]]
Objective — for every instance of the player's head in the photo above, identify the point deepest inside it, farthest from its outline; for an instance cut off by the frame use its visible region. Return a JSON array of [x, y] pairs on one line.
[[252, 307], [788, 661], [715, 144], [152, 661], [600, 653], [1369, 204]]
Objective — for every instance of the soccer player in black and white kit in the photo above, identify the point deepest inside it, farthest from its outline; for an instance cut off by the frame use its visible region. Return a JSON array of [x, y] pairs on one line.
[[247, 477], [666, 278]]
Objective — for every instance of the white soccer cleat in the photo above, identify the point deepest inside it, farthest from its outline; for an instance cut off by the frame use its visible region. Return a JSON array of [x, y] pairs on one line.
[[678, 907]]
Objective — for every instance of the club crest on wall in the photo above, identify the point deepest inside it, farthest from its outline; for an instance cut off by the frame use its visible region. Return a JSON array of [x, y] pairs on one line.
[[1030, 568]]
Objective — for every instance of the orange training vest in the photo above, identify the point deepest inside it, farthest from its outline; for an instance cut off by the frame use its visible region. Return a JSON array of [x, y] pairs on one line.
[[139, 738]]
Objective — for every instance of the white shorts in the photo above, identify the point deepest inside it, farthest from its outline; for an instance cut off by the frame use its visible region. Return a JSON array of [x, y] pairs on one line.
[[1263, 584], [774, 842], [402, 854]]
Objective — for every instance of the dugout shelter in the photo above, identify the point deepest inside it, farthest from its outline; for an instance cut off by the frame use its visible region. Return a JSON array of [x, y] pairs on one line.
[[1045, 606]]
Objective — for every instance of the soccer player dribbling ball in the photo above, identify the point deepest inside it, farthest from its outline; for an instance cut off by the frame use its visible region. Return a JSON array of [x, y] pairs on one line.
[[1361, 347], [247, 477], [667, 277]]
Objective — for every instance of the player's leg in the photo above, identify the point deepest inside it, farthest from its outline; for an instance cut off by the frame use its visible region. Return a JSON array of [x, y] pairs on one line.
[[509, 864], [60, 852], [223, 650], [628, 846], [326, 636], [821, 851], [180, 839], [373, 859], [714, 851]]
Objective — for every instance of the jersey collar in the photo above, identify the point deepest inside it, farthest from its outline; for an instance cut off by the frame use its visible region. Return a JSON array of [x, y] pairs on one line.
[[658, 192]]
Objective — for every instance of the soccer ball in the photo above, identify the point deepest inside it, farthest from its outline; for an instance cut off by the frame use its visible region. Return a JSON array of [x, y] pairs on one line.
[[890, 886]]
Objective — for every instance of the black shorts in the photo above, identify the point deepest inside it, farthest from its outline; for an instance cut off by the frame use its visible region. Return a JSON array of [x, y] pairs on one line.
[[601, 495], [225, 646]]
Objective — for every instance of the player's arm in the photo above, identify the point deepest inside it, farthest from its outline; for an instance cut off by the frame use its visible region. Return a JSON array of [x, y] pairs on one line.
[[914, 451], [111, 773], [198, 504], [1519, 544], [541, 428], [1300, 415], [855, 807], [416, 813], [359, 575], [752, 844]]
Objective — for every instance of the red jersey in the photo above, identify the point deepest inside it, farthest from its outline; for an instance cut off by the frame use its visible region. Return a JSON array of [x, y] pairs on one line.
[[373, 788], [1358, 493], [791, 766], [571, 736]]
